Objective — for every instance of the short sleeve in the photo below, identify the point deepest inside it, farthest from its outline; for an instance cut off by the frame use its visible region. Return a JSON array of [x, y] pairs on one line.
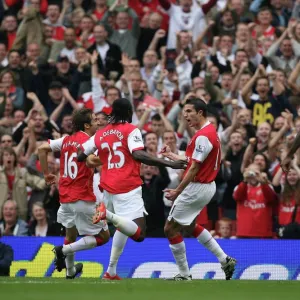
[[135, 141], [89, 147], [56, 145], [202, 148]]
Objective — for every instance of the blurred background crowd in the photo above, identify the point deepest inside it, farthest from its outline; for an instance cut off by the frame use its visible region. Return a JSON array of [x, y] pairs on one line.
[[241, 56]]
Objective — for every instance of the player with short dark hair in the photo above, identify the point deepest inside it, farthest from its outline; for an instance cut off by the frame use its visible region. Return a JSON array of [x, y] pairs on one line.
[[203, 156], [75, 192], [121, 150]]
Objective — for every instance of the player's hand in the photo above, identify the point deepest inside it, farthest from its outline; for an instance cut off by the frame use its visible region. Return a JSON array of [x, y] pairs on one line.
[[178, 164], [165, 151], [286, 164], [50, 179], [171, 194], [93, 161]]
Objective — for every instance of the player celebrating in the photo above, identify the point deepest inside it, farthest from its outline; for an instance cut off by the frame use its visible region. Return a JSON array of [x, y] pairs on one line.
[[120, 149], [75, 192], [197, 188]]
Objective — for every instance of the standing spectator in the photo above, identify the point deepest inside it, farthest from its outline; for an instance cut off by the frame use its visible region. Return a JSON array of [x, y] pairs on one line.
[[66, 47], [187, 16], [254, 197], [11, 223], [155, 181], [289, 194], [9, 33], [14, 180], [125, 38], [109, 54], [25, 34]]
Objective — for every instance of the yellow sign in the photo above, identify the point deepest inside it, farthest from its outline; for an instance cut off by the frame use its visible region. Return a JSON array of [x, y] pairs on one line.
[[40, 264]]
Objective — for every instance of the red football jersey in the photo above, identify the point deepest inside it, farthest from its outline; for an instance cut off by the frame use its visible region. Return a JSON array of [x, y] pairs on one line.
[[76, 179], [286, 211], [115, 144], [254, 209], [205, 149]]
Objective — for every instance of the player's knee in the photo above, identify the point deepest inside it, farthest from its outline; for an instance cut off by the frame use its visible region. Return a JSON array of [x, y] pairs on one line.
[[140, 238], [102, 238]]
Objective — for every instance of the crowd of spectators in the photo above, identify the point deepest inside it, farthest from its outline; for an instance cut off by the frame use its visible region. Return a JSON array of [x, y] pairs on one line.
[[240, 56]]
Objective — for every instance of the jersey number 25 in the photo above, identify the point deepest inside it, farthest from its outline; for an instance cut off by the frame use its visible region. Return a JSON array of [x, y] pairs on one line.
[[114, 152]]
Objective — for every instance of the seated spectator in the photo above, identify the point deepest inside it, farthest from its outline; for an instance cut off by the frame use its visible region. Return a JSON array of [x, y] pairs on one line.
[[254, 197], [11, 223], [41, 225], [224, 230], [6, 258], [14, 180]]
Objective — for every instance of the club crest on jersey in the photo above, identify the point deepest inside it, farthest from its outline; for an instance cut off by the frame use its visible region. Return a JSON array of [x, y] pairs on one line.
[[200, 149], [137, 139]]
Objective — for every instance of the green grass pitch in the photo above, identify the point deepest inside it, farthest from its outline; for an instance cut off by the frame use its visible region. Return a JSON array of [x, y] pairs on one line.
[[145, 289]]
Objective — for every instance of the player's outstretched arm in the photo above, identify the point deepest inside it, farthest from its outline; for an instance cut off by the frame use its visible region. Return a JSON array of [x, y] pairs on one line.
[[147, 159], [172, 194], [81, 156], [43, 151], [166, 152], [286, 162]]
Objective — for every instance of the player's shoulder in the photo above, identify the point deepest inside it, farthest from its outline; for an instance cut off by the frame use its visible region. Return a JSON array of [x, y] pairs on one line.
[[80, 137]]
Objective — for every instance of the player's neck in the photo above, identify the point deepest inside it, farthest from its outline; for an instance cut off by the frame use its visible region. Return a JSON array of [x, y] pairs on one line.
[[200, 124]]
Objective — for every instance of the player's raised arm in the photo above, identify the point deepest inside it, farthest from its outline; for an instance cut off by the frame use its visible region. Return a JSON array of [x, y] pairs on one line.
[[286, 162], [43, 150]]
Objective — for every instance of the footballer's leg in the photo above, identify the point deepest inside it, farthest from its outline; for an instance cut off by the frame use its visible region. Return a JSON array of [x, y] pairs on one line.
[[118, 245], [129, 221], [206, 239], [173, 233]]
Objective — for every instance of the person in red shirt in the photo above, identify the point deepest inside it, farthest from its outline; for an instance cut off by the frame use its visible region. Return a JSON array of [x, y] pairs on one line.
[[289, 198], [75, 192], [53, 19], [10, 25], [254, 197], [203, 156], [121, 150]]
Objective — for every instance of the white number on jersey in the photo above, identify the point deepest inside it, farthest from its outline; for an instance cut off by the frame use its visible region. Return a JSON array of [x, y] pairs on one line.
[[114, 152], [71, 168]]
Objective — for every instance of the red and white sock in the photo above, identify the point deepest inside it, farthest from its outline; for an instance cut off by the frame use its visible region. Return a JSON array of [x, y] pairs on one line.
[[118, 244], [177, 247], [87, 242], [126, 226], [206, 239]]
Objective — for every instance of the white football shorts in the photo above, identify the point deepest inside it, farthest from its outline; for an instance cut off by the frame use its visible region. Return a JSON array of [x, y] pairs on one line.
[[129, 205], [191, 201], [80, 214]]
